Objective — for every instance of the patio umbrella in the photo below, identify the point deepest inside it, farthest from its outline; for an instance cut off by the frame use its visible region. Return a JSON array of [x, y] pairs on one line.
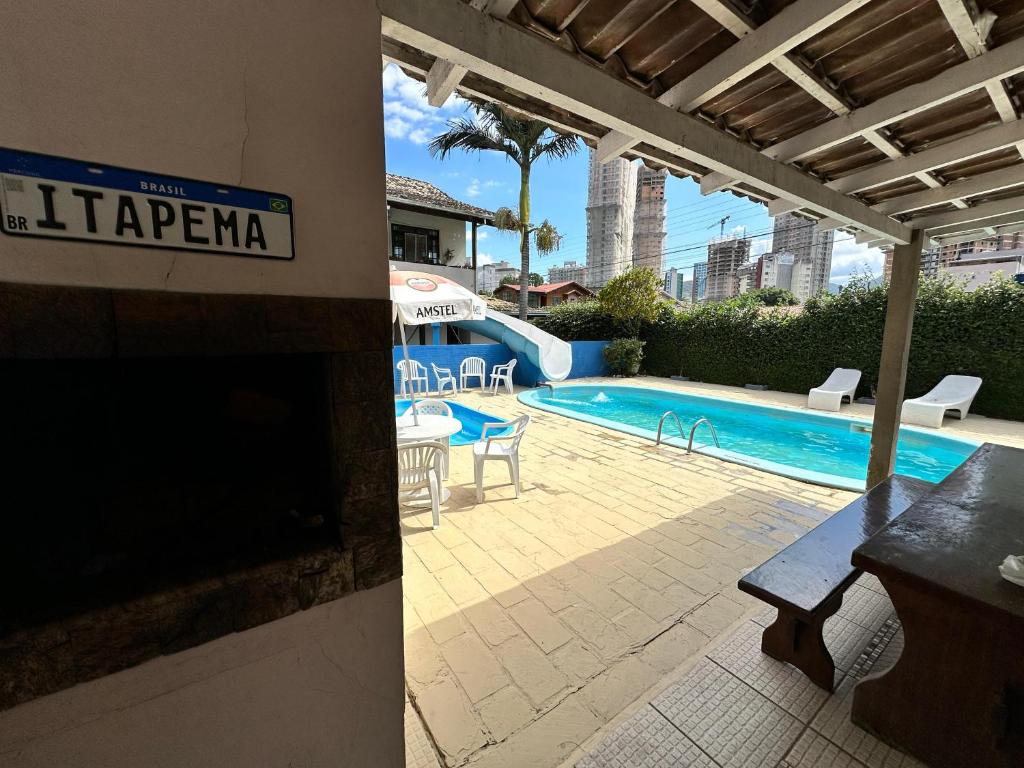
[[420, 298]]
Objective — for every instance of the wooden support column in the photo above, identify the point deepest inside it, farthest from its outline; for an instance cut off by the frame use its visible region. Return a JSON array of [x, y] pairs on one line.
[[892, 374]]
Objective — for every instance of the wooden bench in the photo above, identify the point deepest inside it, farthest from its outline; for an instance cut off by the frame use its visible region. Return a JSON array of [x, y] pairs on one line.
[[807, 579]]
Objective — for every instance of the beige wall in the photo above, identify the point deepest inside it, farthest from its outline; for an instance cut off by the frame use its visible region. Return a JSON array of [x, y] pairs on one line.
[[284, 97], [322, 687]]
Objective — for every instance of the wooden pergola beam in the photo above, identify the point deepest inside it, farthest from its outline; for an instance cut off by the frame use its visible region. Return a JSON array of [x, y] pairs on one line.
[[997, 64], [970, 146], [975, 213], [983, 183], [444, 76], [451, 30], [756, 48]]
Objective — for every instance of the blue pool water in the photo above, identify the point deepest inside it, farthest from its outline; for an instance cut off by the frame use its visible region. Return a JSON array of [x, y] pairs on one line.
[[826, 449], [472, 421]]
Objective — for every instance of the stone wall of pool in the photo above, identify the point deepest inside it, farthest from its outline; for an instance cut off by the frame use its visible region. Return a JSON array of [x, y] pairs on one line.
[[587, 360]]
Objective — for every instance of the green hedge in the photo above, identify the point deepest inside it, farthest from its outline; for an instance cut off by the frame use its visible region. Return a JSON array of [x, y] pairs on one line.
[[580, 321], [980, 333]]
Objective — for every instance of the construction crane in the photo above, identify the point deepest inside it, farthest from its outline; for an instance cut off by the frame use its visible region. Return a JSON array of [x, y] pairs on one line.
[[721, 225]]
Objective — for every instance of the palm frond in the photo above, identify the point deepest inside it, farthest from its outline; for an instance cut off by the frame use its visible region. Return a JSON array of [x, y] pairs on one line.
[[466, 135], [559, 147]]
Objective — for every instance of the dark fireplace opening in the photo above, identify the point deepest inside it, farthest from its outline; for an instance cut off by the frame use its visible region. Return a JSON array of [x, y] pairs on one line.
[[125, 476]]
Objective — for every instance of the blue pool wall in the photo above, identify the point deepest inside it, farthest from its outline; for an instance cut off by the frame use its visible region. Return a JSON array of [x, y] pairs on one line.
[[587, 360]]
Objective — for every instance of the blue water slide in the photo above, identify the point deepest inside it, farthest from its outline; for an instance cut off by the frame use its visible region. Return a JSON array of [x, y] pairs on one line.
[[551, 355]]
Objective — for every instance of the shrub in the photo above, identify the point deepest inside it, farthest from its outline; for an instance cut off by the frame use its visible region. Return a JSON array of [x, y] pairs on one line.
[[624, 356], [580, 321]]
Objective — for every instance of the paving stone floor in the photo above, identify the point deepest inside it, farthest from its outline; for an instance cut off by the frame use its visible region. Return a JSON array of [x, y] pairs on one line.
[[736, 707], [531, 624]]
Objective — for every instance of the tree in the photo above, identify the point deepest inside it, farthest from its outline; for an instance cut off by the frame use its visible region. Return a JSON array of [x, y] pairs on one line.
[[524, 141], [509, 280], [631, 298], [536, 279], [772, 297]]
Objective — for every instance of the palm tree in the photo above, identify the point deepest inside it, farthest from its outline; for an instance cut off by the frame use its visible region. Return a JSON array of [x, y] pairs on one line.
[[495, 130]]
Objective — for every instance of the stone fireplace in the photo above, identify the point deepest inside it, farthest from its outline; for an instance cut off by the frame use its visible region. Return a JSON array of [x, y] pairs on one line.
[[182, 466]]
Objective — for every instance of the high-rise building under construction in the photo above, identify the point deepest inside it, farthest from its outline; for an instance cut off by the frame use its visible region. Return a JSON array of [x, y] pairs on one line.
[[649, 220], [611, 199]]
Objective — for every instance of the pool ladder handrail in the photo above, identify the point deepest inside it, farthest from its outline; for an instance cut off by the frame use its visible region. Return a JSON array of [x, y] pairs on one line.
[[661, 424], [697, 423], [546, 384]]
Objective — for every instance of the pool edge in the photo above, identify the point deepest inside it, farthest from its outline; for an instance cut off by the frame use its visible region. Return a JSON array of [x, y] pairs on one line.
[[531, 398]]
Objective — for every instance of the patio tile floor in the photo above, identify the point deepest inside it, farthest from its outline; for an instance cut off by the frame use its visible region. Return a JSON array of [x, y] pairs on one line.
[[532, 624]]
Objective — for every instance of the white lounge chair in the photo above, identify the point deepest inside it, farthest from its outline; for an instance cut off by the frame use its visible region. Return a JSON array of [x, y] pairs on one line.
[[502, 374], [488, 449], [839, 386], [435, 408], [472, 368], [411, 375], [444, 379], [419, 468], [953, 393]]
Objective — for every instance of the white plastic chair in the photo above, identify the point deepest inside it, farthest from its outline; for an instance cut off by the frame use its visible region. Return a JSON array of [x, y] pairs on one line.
[[410, 376], [418, 468], [502, 374], [444, 378], [430, 407], [487, 448], [839, 386], [472, 367], [953, 393], [435, 408]]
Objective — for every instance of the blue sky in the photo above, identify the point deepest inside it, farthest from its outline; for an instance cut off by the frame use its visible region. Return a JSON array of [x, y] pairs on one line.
[[559, 192]]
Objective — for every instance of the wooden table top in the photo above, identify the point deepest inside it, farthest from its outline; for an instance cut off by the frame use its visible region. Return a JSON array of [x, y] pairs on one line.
[[953, 539]]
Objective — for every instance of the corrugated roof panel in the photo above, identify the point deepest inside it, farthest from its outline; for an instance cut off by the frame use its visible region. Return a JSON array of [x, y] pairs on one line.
[[965, 114], [844, 158], [990, 162], [894, 189], [676, 45]]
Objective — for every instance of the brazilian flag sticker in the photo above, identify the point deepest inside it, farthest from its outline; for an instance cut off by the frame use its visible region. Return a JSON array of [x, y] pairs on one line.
[[280, 206]]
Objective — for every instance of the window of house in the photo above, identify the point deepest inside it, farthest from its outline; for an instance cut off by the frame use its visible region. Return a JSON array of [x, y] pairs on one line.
[[415, 244]]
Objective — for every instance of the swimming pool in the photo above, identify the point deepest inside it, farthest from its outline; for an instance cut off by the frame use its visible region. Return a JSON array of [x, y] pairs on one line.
[[820, 448], [472, 421]]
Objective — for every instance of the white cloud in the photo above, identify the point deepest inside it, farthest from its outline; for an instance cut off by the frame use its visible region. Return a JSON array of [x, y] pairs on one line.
[[407, 115], [396, 128], [482, 234], [476, 186], [421, 135], [484, 258], [849, 257], [760, 246]]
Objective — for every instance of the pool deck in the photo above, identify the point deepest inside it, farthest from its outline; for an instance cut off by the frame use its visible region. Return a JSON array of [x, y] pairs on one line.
[[595, 620]]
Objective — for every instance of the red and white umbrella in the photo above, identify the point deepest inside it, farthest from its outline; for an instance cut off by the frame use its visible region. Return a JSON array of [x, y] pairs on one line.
[[421, 298]]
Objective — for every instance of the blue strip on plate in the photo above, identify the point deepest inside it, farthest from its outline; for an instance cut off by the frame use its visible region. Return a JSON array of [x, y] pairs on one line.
[[111, 177]]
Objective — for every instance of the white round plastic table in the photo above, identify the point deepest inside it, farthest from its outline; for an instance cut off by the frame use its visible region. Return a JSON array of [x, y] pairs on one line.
[[431, 427]]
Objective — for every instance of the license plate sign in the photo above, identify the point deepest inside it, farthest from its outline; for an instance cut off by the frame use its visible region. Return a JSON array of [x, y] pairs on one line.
[[55, 197]]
